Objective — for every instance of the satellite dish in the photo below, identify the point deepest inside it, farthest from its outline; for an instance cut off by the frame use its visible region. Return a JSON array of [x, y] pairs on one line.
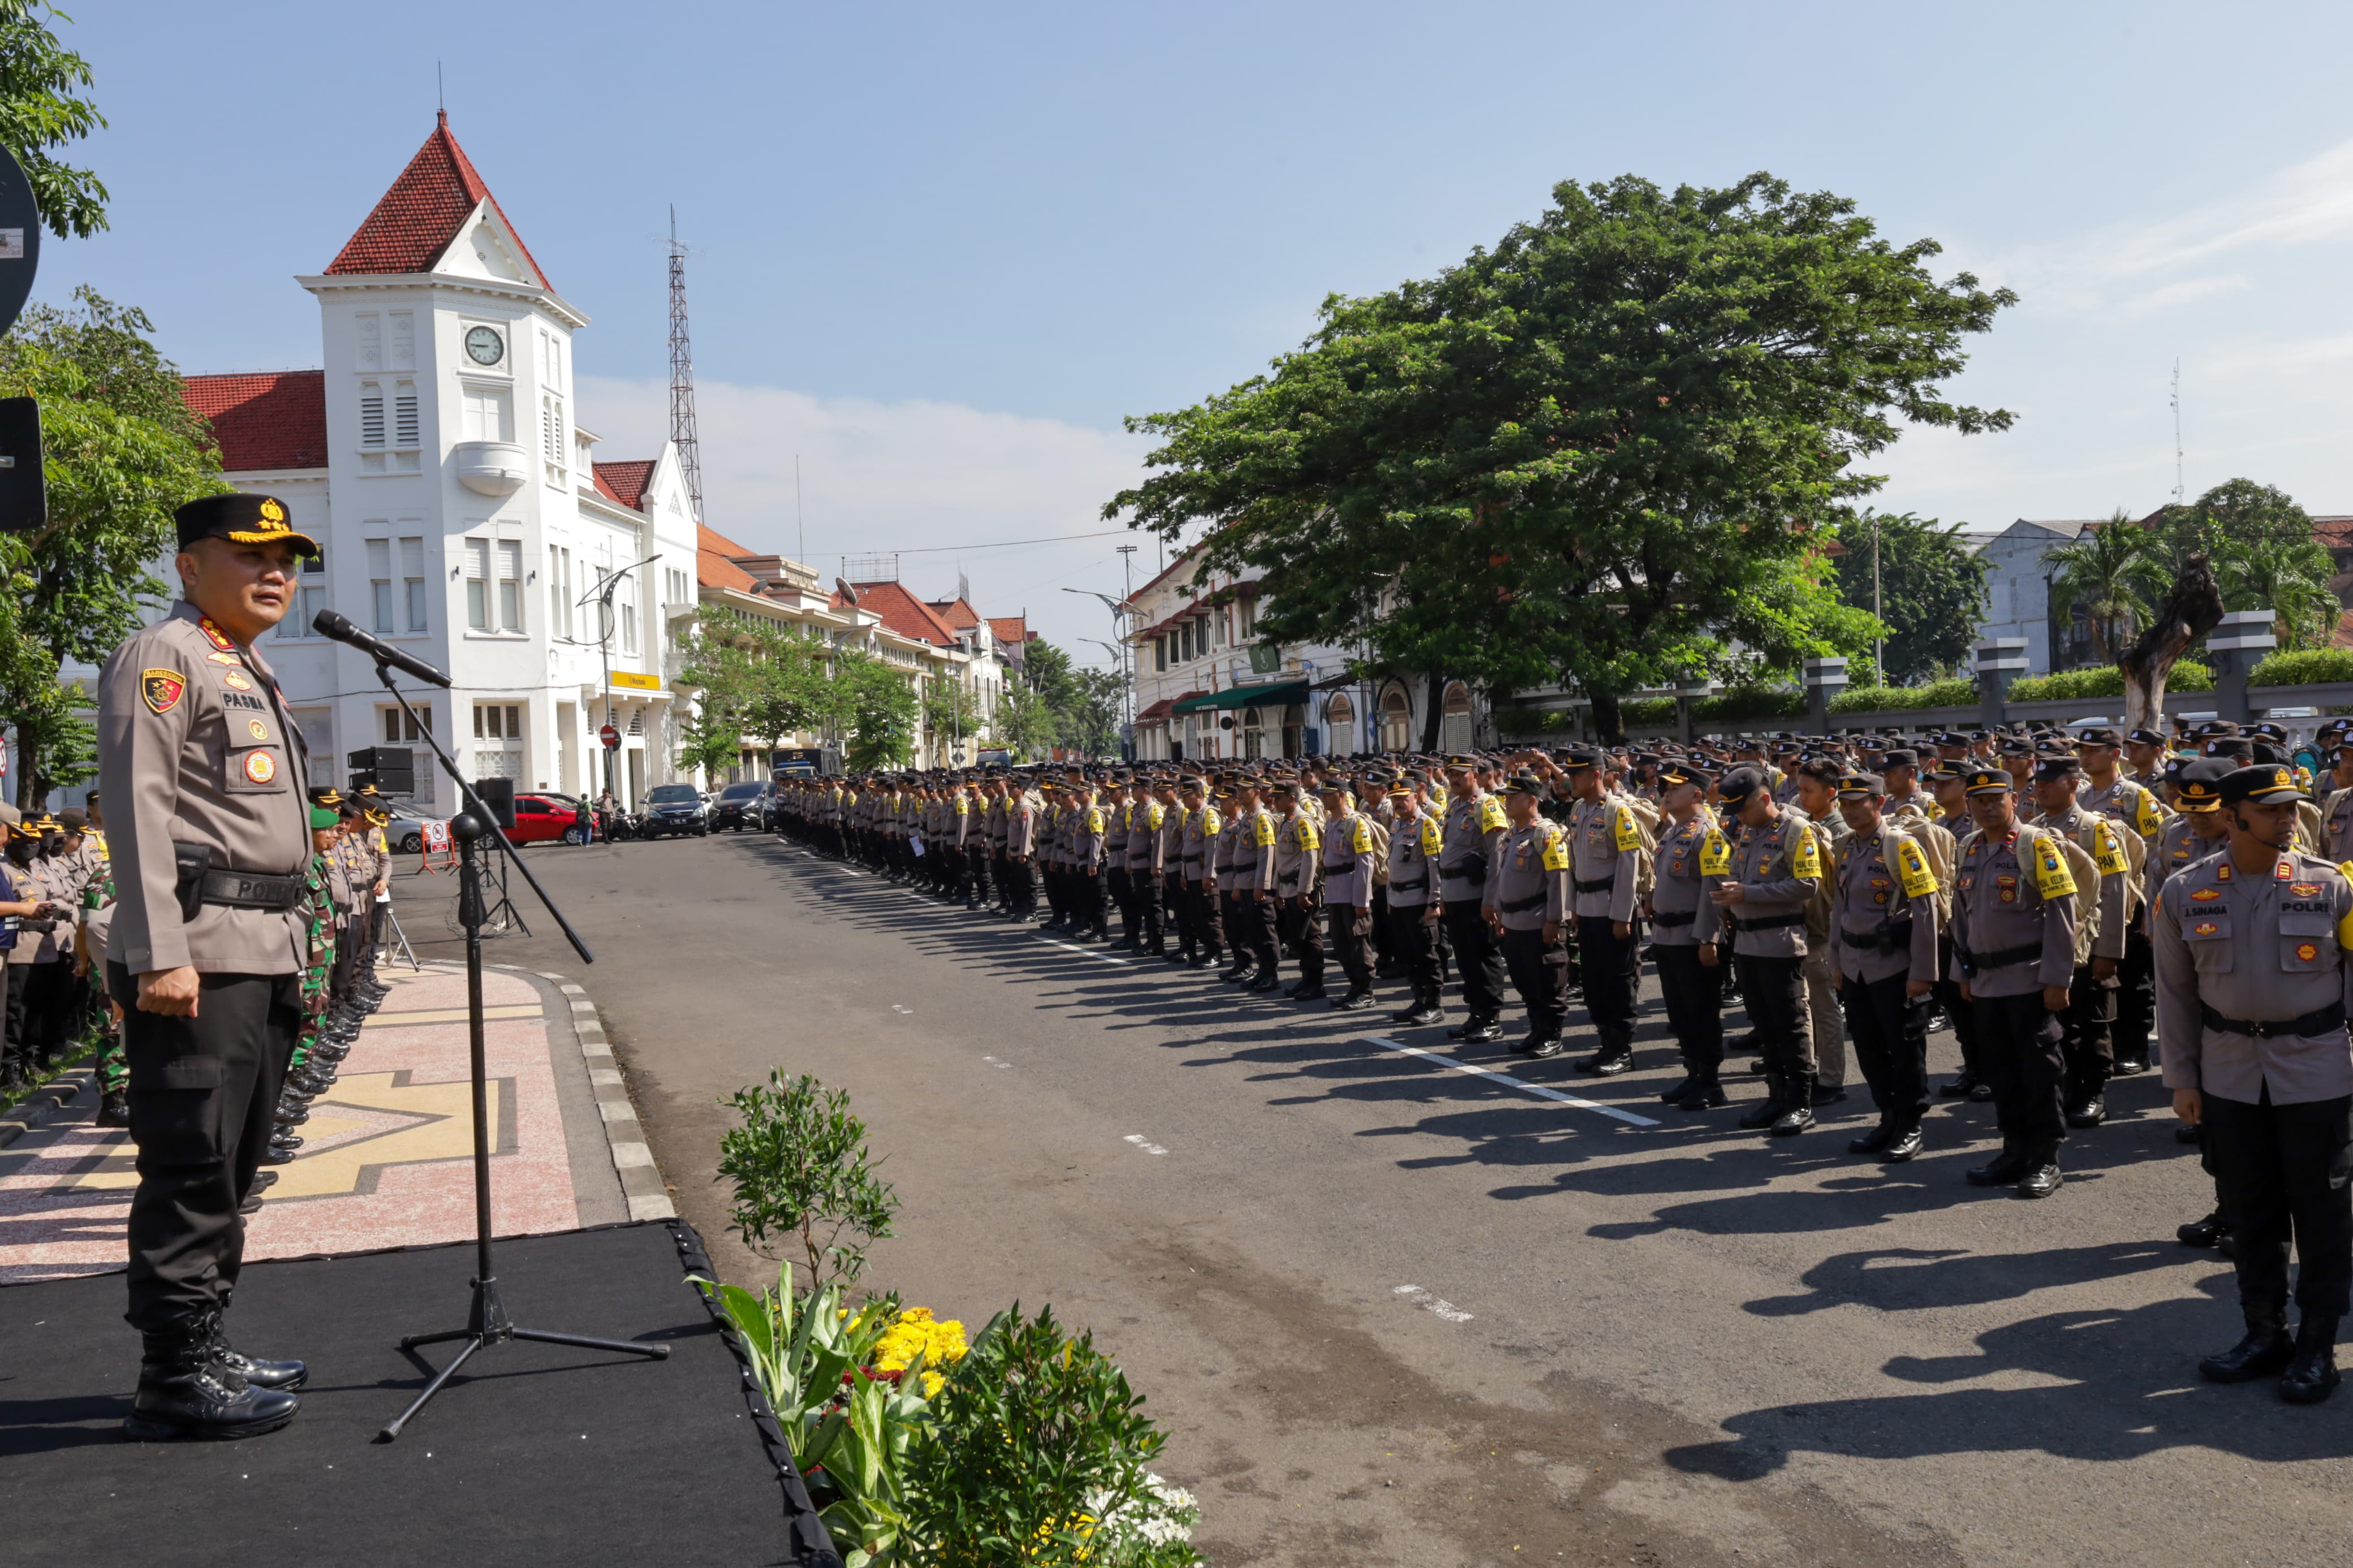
[[847, 592]]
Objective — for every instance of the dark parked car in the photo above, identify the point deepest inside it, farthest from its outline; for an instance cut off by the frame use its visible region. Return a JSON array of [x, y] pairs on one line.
[[741, 806], [676, 809]]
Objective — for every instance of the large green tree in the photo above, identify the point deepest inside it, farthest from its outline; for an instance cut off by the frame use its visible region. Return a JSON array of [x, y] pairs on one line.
[[121, 452], [2115, 571], [878, 709], [1603, 451], [1922, 580], [41, 108]]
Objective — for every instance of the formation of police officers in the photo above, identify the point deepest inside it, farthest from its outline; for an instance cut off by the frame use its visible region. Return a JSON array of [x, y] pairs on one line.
[[53, 879], [236, 952], [2074, 907]]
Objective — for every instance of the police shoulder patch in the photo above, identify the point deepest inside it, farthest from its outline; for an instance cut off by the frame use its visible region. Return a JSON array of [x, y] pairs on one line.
[[1556, 852], [1361, 840], [1628, 834], [1491, 813], [162, 689], [1265, 836]]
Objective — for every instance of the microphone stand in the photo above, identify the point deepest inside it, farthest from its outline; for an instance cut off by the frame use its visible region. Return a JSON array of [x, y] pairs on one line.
[[487, 1324]]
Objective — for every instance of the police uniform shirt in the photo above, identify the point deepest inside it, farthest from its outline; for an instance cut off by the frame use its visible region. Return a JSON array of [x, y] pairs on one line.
[[2125, 800], [1200, 841], [1528, 883], [1255, 846], [1682, 914], [1348, 861], [2002, 903], [2336, 826], [1021, 827], [193, 748], [1296, 844], [1088, 829], [1779, 868], [1414, 844], [1168, 855], [2097, 836], [1606, 857], [1884, 908], [2262, 949], [1466, 846]]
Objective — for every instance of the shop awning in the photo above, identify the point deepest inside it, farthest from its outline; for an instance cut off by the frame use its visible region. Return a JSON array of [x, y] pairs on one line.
[[1157, 713], [1273, 694]]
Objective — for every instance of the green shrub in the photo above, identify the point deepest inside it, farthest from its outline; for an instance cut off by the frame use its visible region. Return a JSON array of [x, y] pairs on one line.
[[801, 1170], [1957, 693], [2312, 667], [2103, 681], [1518, 719], [1038, 1456], [1646, 710], [1752, 703]]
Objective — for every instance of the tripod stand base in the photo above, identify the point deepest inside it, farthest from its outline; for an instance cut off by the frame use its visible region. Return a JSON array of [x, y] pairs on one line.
[[489, 1326]]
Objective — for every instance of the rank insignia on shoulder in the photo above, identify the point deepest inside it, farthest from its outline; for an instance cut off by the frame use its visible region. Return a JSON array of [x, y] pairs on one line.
[[213, 633], [160, 690]]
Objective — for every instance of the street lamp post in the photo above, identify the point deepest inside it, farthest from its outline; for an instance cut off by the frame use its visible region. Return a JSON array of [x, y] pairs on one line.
[[602, 595], [1125, 653]]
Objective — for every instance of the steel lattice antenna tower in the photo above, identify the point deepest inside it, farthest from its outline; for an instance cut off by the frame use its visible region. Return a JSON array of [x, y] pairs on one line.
[[681, 374]]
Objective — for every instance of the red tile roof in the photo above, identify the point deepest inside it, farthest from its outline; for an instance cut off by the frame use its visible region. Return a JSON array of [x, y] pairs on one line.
[[1012, 629], [414, 222], [712, 567], [276, 420], [902, 613], [626, 482], [955, 612]]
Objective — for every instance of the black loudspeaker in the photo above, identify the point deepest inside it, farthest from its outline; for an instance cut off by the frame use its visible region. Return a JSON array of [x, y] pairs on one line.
[[392, 769], [498, 795], [24, 491]]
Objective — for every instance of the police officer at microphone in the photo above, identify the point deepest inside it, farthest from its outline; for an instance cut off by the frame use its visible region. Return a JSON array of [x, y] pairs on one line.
[[203, 776]]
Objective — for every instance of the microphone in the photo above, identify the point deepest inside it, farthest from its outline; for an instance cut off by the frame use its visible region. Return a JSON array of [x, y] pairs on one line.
[[328, 624]]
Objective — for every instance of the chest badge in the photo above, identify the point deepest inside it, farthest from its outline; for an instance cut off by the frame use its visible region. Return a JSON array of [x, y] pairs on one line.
[[2205, 928], [160, 690], [2306, 950], [235, 681], [257, 728], [2206, 895], [2304, 890], [260, 767]]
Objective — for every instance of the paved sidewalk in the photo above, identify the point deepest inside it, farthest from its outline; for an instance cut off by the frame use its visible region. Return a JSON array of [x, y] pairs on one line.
[[388, 1153]]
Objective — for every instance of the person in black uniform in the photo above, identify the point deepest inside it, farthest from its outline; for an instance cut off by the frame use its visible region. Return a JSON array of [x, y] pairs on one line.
[[201, 765]]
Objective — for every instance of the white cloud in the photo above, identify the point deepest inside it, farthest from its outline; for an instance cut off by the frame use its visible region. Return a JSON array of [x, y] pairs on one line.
[[879, 477]]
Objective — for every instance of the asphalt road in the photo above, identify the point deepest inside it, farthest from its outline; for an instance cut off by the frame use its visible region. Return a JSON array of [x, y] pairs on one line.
[[1394, 1312]]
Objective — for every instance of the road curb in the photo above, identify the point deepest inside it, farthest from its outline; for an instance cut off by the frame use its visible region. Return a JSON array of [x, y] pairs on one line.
[[633, 1157], [46, 1103]]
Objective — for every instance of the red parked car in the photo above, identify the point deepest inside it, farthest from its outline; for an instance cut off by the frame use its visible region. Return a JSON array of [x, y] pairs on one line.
[[541, 820]]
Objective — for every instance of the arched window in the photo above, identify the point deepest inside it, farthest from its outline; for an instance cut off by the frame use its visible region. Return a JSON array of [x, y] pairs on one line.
[[1397, 720], [1454, 720]]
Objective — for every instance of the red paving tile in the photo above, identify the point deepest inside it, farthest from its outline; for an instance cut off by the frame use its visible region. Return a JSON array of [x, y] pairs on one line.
[[388, 1153]]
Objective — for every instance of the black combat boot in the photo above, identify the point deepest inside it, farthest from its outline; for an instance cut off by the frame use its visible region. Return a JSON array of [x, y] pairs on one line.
[[1425, 1010], [1759, 1117], [2265, 1351], [288, 1375], [114, 1108], [1702, 1091], [2311, 1376], [1616, 1055], [183, 1392], [1906, 1144], [1877, 1139]]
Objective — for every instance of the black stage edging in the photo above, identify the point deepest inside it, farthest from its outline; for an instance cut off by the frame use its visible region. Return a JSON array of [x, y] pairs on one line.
[[549, 1454]]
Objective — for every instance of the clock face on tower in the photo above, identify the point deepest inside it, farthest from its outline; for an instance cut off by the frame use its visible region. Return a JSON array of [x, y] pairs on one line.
[[485, 346]]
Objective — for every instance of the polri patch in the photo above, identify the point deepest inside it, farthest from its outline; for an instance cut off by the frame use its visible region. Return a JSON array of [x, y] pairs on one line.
[[260, 767], [2306, 950], [257, 728], [162, 689]]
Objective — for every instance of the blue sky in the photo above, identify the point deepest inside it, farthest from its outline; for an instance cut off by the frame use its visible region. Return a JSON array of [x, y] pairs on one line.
[[941, 250]]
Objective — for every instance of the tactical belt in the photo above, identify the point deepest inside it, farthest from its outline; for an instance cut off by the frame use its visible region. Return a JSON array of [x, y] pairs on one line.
[[1476, 866], [1417, 882], [1602, 885], [2319, 1021], [1888, 938], [1669, 918], [1972, 962], [245, 891], [1521, 906], [1768, 924]]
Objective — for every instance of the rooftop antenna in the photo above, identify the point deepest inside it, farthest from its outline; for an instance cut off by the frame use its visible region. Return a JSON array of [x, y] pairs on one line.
[[2177, 433], [800, 527], [440, 100], [682, 376]]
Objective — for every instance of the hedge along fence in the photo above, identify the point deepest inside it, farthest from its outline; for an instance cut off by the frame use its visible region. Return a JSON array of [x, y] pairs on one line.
[[2311, 666]]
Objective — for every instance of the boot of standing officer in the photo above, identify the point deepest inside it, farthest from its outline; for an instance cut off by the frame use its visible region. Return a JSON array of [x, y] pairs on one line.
[[1684, 928], [1608, 850], [2014, 956], [1775, 868], [211, 837], [1884, 950], [2252, 978]]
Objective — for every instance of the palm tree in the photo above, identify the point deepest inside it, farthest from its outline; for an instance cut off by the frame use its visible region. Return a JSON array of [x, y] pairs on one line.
[[2289, 580], [2113, 570]]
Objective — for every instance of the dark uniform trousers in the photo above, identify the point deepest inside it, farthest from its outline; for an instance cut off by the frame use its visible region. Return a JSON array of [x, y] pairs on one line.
[[1122, 893], [1775, 992], [16, 1059], [1891, 1044], [1695, 997], [1302, 932], [202, 1093], [1539, 970], [1209, 926], [1250, 926], [1476, 959], [1386, 960], [2021, 1060], [1179, 910], [2281, 1173], [976, 876], [1961, 1014], [2087, 1035], [1144, 895], [49, 1016], [1413, 937], [2135, 998], [1609, 965], [1351, 933]]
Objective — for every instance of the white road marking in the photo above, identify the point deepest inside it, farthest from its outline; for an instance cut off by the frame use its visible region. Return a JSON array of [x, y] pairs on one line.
[[992, 1061], [1137, 1139], [1523, 1085], [1438, 1306], [896, 1008], [1074, 947]]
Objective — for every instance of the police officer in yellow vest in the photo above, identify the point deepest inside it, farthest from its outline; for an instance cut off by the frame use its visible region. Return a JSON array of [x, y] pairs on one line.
[[2252, 987]]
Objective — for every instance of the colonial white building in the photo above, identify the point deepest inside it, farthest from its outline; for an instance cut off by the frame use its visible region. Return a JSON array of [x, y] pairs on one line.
[[1207, 686], [439, 461]]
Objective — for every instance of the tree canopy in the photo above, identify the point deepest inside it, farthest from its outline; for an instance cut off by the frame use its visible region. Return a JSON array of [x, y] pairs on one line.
[[41, 107], [1605, 451]]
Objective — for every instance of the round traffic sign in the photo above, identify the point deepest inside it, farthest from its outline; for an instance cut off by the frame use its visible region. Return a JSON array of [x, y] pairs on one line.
[[20, 238], [611, 737]]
